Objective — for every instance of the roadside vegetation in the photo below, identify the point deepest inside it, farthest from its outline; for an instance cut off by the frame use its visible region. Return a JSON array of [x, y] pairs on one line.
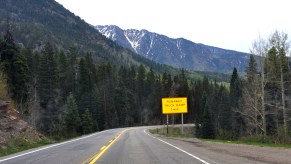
[[249, 141], [20, 144], [174, 132], [189, 132], [3, 87]]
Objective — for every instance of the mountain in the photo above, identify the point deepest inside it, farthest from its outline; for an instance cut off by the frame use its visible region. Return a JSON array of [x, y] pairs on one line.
[[179, 52], [34, 22]]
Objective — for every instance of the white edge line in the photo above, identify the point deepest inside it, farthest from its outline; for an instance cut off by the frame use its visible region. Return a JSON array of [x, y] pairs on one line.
[[201, 160], [6, 159]]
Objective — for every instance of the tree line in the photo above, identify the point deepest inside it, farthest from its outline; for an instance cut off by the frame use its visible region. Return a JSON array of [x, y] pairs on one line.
[[259, 101], [66, 94], [264, 103]]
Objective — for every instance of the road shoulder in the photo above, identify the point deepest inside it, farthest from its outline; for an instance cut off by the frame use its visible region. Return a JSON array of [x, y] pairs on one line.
[[254, 153]]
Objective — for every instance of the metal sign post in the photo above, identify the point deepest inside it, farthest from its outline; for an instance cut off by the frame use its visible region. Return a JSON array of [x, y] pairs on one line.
[[182, 123], [167, 124]]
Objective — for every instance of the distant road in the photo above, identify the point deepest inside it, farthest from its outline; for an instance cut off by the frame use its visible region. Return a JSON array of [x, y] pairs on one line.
[[124, 146]]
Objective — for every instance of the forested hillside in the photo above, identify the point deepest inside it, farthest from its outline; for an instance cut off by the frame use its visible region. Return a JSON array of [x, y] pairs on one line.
[[34, 22]]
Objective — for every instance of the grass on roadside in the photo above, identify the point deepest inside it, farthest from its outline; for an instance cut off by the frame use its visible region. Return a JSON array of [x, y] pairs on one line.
[[189, 132], [248, 143], [173, 132], [21, 146]]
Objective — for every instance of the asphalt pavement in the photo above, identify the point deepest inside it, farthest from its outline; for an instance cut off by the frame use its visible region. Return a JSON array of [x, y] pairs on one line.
[[123, 146]]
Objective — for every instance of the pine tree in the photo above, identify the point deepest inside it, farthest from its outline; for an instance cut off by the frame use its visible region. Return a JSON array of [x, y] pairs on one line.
[[72, 70], [48, 76], [85, 83], [14, 65], [64, 75], [207, 127], [100, 112], [235, 95], [149, 83], [224, 112], [87, 122], [141, 77], [141, 81], [71, 117], [235, 89], [48, 88], [251, 70]]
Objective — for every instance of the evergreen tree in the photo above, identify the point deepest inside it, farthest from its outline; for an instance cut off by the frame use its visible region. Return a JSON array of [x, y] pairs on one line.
[[33, 67], [251, 70], [14, 65], [87, 122], [183, 85], [85, 83], [48, 76], [71, 116], [141, 77], [235, 89], [150, 82], [100, 112], [72, 70], [224, 116], [88, 98], [207, 127], [64, 75], [141, 81], [48, 88], [235, 95]]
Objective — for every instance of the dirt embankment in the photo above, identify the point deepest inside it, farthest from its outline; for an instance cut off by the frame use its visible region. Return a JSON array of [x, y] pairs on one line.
[[14, 130]]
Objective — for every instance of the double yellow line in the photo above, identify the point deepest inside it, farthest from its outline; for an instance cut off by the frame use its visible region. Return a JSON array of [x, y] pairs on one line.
[[104, 149]]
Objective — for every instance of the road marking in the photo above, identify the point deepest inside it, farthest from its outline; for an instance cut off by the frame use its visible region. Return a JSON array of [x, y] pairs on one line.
[[48, 147], [201, 160], [103, 150], [103, 147]]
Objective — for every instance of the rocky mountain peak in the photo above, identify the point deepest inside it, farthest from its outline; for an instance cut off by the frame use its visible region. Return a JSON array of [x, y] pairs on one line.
[[180, 52]]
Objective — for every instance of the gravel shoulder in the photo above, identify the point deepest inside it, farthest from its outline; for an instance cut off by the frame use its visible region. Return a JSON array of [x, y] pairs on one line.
[[237, 153]]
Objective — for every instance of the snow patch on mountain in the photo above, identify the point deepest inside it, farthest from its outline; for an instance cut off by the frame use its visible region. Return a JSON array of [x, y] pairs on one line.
[[179, 52]]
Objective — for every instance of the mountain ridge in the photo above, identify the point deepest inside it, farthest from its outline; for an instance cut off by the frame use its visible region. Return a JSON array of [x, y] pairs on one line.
[[177, 52], [35, 22]]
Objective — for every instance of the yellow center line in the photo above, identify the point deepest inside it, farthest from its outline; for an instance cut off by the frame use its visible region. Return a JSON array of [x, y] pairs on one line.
[[105, 148]]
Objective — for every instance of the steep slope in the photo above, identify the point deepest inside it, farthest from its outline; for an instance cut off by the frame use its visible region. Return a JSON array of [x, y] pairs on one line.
[[34, 22], [179, 52]]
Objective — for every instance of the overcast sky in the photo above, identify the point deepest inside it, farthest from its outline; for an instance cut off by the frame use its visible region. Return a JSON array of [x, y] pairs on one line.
[[230, 24]]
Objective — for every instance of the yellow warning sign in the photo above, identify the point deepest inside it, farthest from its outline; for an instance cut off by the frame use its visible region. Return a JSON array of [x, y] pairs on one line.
[[174, 105]]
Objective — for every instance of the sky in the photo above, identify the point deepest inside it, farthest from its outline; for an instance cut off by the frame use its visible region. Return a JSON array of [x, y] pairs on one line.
[[229, 24]]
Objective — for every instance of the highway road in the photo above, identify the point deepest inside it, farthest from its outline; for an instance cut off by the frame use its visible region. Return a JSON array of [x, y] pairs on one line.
[[124, 146]]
